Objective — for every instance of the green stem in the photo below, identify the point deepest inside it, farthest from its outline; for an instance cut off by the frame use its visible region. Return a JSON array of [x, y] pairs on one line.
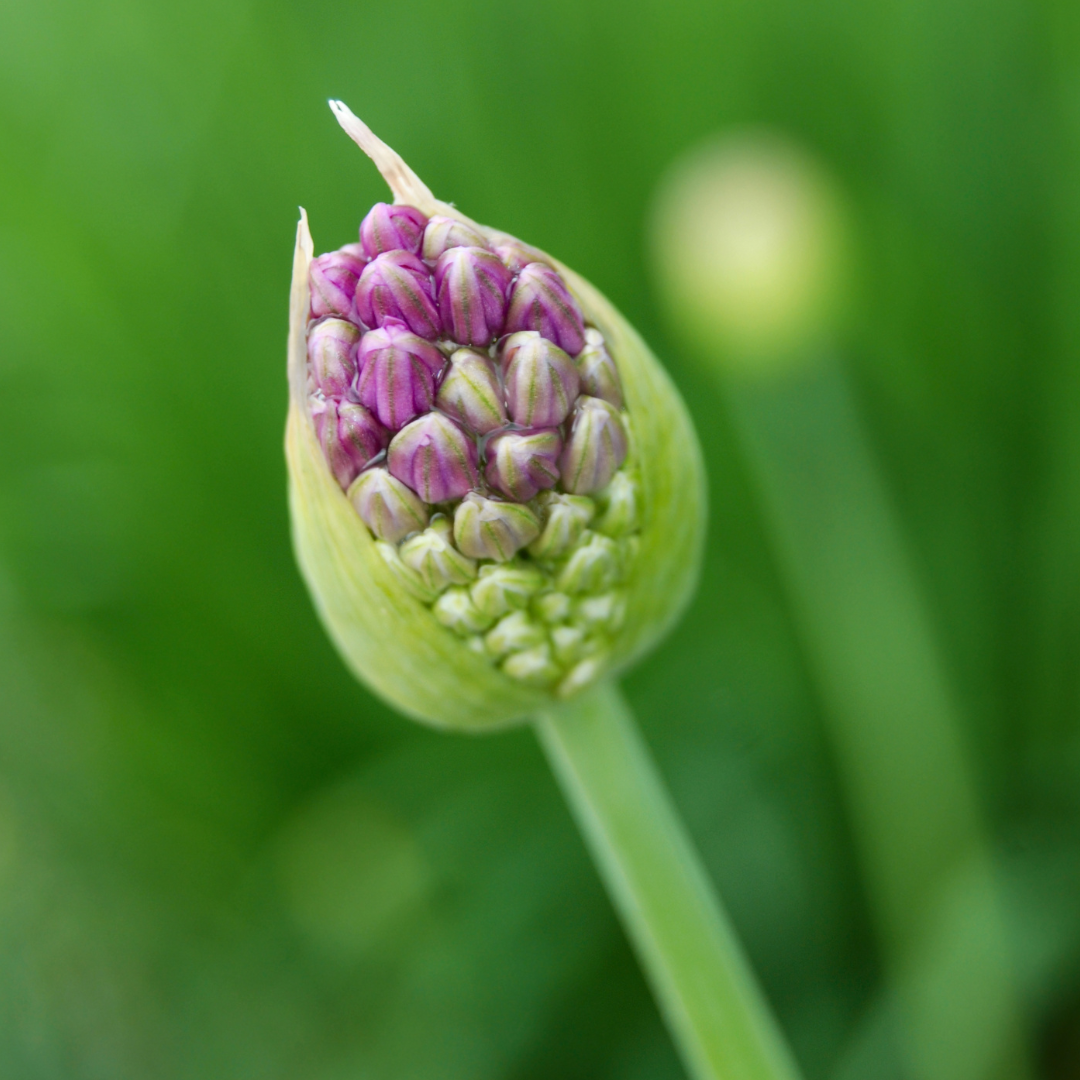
[[713, 1007]]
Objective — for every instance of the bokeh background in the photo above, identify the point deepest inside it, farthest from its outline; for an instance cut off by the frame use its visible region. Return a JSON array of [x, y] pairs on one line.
[[220, 857]]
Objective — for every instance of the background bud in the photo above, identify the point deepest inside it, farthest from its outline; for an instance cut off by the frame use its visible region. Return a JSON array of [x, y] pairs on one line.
[[350, 436], [332, 355], [389, 227], [443, 233], [521, 463], [596, 446], [398, 371], [564, 519], [470, 392], [599, 376], [514, 632], [533, 666], [397, 285], [541, 380], [619, 509], [516, 256], [387, 507], [471, 286], [492, 529], [435, 458], [505, 587], [405, 576], [433, 556], [456, 610], [592, 567], [540, 301], [333, 284]]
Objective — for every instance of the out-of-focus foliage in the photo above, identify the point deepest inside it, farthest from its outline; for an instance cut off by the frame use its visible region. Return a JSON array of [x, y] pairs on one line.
[[221, 857]]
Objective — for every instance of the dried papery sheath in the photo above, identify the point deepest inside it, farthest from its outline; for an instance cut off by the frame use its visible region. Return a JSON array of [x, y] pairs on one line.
[[398, 372], [469, 577], [443, 233], [541, 380], [392, 228], [397, 285], [470, 392], [333, 284]]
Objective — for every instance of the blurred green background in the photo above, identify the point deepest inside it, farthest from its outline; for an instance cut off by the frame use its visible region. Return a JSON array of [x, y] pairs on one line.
[[220, 857]]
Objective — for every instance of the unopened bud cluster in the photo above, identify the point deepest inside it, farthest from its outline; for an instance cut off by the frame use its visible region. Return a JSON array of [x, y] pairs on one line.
[[477, 425]]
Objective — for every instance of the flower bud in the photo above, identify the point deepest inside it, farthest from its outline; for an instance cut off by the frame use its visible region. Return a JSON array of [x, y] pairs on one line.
[[505, 587], [397, 285], [540, 301], [521, 463], [541, 380], [470, 392], [592, 567], [599, 376], [386, 506], [390, 227], [533, 666], [456, 610], [596, 447], [471, 285], [571, 644], [332, 355], [433, 556], [564, 519], [553, 607], [604, 613], [492, 529], [516, 256], [333, 284], [398, 371], [349, 434], [443, 233], [619, 509], [435, 458], [405, 576], [514, 632]]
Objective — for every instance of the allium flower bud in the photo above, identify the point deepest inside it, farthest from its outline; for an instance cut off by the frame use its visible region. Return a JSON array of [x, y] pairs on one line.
[[386, 506], [471, 285], [596, 446], [350, 436], [443, 233], [470, 392], [593, 566], [505, 587], [390, 227], [540, 301], [397, 285], [398, 372], [435, 458], [332, 355], [333, 284], [521, 463], [564, 519], [587, 603], [492, 529], [456, 610], [433, 556], [599, 376], [541, 380]]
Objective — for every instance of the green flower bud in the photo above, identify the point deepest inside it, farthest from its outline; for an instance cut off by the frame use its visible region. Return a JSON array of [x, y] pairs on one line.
[[618, 503], [433, 556], [398, 624]]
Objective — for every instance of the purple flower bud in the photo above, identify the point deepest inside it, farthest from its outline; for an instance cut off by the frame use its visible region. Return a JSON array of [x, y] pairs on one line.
[[596, 446], [349, 434], [332, 355], [333, 284], [386, 506], [599, 376], [435, 458], [541, 380], [397, 285], [392, 228], [540, 301], [398, 372], [443, 233], [521, 463], [471, 286], [470, 392], [356, 251], [516, 256], [490, 529]]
